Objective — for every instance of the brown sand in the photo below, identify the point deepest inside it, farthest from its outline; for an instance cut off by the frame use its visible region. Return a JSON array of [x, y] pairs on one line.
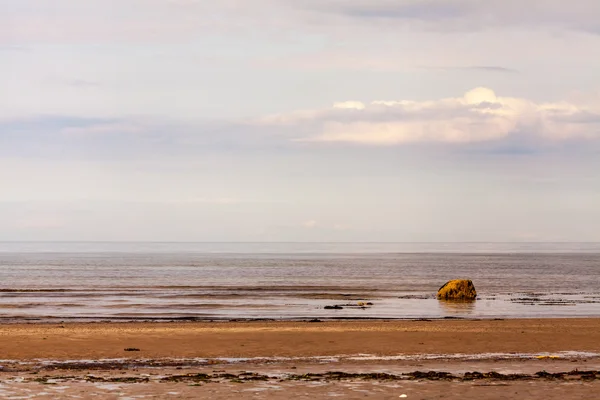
[[89, 341], [266, 339]]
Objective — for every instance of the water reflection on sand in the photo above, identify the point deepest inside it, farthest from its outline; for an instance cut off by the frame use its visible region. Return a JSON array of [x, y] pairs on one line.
[[457, 307]]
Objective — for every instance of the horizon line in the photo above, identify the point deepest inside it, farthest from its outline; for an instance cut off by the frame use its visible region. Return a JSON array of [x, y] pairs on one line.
[[300, 242]]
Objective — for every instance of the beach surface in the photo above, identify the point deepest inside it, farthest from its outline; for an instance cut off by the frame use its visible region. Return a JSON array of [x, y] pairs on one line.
[[492, 359], [296, 339]]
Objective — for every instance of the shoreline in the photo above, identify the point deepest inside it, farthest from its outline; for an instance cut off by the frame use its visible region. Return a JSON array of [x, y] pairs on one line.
[[195, 320], [15, 321]]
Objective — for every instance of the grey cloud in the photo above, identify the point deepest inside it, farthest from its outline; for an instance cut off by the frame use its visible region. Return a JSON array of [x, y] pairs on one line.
[[82, 83], [583, 15], [583, 117], [48, 123], [13, 48], [424, 10], [482, 68], [154, 20], [492, 69], [132, 138], [72, 136]]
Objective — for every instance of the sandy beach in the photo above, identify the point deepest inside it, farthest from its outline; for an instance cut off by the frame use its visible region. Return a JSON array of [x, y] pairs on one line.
[[294, 339], [383, 359]]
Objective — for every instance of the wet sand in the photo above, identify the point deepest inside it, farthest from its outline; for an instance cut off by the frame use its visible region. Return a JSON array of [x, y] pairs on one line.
[[349, 389], [205, 360], [295, 339]]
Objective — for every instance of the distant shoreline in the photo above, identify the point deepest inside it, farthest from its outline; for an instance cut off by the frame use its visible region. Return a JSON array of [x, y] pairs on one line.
[[299, 248]]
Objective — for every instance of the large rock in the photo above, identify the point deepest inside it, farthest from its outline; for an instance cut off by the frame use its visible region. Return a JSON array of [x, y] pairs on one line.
[[457, 289]]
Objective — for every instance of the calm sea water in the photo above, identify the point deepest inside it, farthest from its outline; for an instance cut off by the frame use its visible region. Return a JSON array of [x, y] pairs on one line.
[[155, 281]]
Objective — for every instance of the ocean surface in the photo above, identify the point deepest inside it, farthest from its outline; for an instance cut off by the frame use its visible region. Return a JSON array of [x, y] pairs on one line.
[[224, 281]]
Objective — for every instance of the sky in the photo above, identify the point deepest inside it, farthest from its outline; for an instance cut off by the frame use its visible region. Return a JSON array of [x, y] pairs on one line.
[[300, 120]]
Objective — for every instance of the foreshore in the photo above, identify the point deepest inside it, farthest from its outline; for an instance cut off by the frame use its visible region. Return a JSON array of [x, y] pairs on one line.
[[296, 339], [466, 359]]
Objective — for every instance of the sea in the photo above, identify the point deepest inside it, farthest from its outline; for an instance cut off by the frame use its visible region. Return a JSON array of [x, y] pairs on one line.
[[105, 281]]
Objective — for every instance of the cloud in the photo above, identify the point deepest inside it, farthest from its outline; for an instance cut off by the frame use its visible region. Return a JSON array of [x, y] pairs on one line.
[[480, 68], [12, 48], [72, 21], [226, 201], [311, 224], [467, 15], [103, 129], [46, 135], [135, 56], [133, 21], [31, 21], [477, 116], [82, 83], [498, 124], [341, 227]]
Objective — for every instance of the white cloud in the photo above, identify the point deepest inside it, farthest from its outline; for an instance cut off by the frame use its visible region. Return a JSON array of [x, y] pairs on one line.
[[341, 227], [479, 115], [311, 224], [352, 105]]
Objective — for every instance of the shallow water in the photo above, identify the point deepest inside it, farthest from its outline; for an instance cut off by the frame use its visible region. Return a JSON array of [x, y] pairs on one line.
[[128, 281]]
